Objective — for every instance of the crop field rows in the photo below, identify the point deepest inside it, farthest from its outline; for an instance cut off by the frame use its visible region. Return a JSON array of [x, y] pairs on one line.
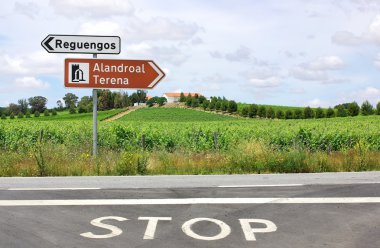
[[146, 134]]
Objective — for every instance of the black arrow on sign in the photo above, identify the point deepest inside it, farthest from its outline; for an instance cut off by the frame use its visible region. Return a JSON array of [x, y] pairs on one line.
[[47, 45]]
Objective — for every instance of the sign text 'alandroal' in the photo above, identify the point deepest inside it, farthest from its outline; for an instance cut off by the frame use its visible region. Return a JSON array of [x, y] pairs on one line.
[[107, 73]]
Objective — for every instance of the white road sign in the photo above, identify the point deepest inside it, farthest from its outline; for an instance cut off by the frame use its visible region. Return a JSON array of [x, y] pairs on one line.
[[92, 44]]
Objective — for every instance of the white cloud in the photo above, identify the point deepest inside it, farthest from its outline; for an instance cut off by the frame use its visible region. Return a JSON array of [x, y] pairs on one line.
[[92, 8], [317, 103], [169, 54], [370, 36], [317, 70], [160, 28], [101, 28], [30, 83], [376, 62], [29, 9], [270, 82], [36, 63], [371, 94], [241, 54]]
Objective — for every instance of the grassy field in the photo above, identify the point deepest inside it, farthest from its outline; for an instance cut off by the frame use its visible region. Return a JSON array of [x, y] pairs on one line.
[[184, 141], [66, 116]]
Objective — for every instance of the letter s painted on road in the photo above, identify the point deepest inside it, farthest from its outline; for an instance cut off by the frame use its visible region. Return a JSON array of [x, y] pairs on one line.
[[115, 231]]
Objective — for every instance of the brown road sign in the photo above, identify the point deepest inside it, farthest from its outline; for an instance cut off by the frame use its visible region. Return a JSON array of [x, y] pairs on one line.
[[112, 74]]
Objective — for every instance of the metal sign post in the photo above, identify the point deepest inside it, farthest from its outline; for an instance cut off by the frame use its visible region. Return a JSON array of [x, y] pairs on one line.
[[94, 119]]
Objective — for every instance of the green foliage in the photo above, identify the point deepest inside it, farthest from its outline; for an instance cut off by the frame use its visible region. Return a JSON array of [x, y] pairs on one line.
[[20, 115], [70, 100], [319, 113], [182, 98], [36, 113], [252, 110], [205, 104], [72, 109], [224, 106], [46, 112], [270, 113], [194, 103], [341, 111], [378, 108], [3, 116], [367, 108], [54, 112], [37, 103], [298, 114], [308, 113], [330, 113], [262, 112], [280, 114], [244, 112], [353, 109], [11, 116], [288, 114], [232, 107]]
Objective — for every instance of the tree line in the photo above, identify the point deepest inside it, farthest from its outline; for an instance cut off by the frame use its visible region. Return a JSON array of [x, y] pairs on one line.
[[106, 100], [262, 111]]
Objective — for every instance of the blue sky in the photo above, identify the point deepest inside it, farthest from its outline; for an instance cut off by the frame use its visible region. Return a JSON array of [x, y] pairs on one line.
[[291, 52]]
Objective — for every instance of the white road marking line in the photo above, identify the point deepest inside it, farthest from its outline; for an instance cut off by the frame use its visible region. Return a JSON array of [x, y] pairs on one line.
[[260, 185], [189, 201], [38, 189]]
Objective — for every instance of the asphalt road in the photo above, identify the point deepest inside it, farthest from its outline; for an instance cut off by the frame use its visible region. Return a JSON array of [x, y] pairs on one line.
[[256, 211]]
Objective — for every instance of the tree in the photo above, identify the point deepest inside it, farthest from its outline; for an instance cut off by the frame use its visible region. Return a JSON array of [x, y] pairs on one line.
[[189, 100], [27, 114], [232, 107], [330, 113], [288, 114], [20, 115], [36, 113], [23, 103], [252, 110], [218, 105], [341, 111], [46, 112], [194, 103], [244, 111], [308, 113], [85, 104], [270, 113], [280, 114], [37, 103], [182, 97], [367, 108], [105, 100], [212, 105], [59, 105], [72, 110], [161, 101], [353, 109], [118, 100], [319, 113], [70, 100], [298, 114], [205, 104], [12, 116], [14, 108], [201, 99], [224, 106], [262, 112], [378, 108]]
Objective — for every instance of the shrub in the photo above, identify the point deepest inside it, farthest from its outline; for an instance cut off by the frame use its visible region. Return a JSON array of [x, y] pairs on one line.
[[252, 110], [72, 110], [194, 103], [262, 111], [218, 105], [353, 109], [280, 114], [132, 164], [330, 113], [288, 114], [37, 114], [270, 113], [244, 111], [205, 104], [224, 106], [341, 111], [232, 107], [308, 113], [367, 108], [3, 116], [46, 112], [319, 113], [27, 115], [298, 114], [378, 108], [12, 116], [54, 113], [20, 115]]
